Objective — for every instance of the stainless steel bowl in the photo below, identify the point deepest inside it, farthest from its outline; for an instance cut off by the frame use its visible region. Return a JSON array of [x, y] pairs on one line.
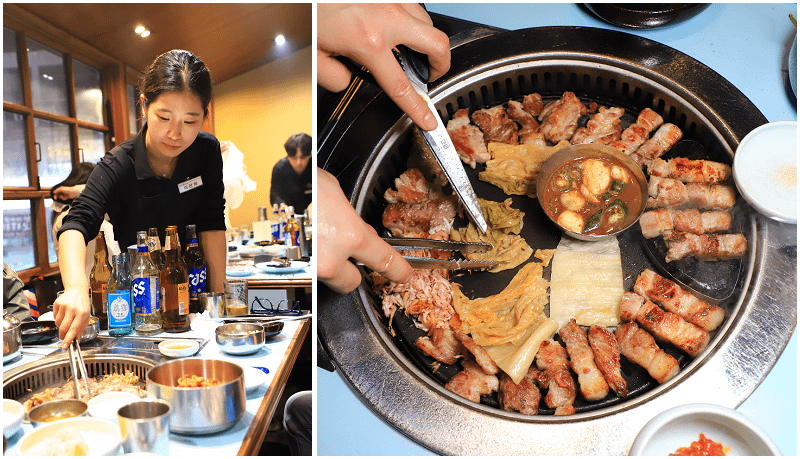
[[91, 331], [57, 410], [567, 154], [12, 337], [199, 410], [240, 338]]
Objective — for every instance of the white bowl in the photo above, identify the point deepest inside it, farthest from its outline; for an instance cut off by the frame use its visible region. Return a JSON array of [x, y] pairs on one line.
[[765, 170], [680, 426], [178, 347], [105, 406], [13, 414], [253, 378], [101, 436]]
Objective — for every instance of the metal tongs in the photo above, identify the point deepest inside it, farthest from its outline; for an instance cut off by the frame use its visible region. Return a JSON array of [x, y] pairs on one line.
[[415, 65], [75, 365], [402, 243]]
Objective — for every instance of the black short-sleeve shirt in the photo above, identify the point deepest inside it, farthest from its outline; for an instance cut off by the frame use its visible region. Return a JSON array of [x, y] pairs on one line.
[[135, 199]]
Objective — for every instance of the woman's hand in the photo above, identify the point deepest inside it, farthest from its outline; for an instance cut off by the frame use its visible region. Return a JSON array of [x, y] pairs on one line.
[[366, 33], [71, 311], [344, 235]]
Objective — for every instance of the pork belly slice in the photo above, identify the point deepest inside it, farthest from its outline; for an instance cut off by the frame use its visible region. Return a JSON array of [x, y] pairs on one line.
[[606, 356], [481, 356], [603, 127], [635, 135], [555, 376], [424, 217], [663, 221], [532, 103], [559, 118], [688, 170], [591, 382], [666, 136], [671, 297], [707, 247], [665, 325], [412, 187], [472, 382], [467, 139], [529, 131], [442, 345], [496, 125], [523, 397], [674, 194], [640, 347]]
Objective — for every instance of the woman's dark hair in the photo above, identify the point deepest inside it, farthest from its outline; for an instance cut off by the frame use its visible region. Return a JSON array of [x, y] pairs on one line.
[[300, 140], [176, 70]]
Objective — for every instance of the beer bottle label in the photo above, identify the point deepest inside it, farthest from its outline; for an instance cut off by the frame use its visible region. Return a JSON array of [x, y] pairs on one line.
[[183, 299], [146, 295], [275, 227], [197, 281], [119, 309]]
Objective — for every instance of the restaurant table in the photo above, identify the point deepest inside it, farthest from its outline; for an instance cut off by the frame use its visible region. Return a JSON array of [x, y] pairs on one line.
[[748, 44], [246, 436]]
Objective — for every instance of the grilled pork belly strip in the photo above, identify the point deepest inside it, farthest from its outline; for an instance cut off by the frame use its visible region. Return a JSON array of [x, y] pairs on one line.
[[636, 134], [708, 247], [663, 324], [559, 118], [663, 221], [666, 136], [603, 127], [640, 347], [472, 382], [481, 356], [467, 139], [441, 344], [675, 299], [555, 376], [532, 103], [592, 384], [606, 356], [687, 170], [529, 132], [523, 397], [674, 194], [496, 125]]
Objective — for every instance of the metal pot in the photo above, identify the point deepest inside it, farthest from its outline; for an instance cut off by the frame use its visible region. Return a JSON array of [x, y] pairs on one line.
[[12, 337], [199, 410], [91, 331]]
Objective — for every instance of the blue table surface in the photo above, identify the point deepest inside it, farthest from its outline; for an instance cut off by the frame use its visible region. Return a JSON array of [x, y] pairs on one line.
[[748, 44]]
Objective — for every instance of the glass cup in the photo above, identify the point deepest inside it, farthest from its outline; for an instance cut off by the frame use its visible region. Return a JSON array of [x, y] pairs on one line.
[[144, 426]]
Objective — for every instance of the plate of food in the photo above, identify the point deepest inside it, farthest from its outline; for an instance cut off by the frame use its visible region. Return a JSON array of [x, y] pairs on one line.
[[239, 271], [278, 267]]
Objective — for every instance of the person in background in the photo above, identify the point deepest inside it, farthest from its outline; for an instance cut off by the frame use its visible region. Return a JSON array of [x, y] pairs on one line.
[[298, 422], [366, 33], [63, 194], [170, 173], [291, 176], [14, 301]]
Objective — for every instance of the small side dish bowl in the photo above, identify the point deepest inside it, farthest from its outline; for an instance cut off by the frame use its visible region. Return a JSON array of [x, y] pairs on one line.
[[680, 426], [13, 414], [91, 331], [72, 437], [105, 406], [57, 410], [178, 347], [240, 338], [623, 200], [765, 170]]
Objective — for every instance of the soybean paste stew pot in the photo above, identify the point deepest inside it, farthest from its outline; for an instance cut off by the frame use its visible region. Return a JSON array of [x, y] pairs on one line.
[[367, 145]]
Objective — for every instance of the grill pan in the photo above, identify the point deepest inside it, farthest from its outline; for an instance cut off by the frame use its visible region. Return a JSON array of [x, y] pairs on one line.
[[22, 382], [369, 147]]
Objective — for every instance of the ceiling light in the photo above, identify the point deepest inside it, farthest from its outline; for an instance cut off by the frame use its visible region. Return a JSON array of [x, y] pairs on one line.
[[280, 39], [139, 29], [145, 33]]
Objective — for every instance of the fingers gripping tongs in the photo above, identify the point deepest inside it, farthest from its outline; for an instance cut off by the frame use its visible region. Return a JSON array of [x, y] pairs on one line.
[[415, 65], [402, 243]]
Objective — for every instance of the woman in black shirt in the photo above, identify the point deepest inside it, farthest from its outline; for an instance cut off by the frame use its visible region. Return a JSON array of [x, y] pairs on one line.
[[170, 173]]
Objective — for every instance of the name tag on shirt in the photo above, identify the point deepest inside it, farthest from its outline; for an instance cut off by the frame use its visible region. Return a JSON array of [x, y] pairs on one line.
[[190, 184]]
